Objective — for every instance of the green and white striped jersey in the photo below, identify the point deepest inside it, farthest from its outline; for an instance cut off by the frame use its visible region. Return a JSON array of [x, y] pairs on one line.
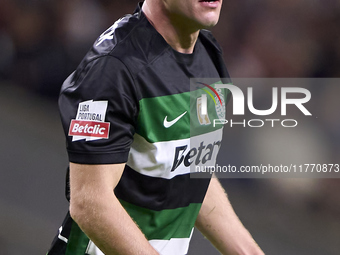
[[133, 100]]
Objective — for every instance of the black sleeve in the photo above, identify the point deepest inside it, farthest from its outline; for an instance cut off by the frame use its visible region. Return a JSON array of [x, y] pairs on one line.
[[99, 107]]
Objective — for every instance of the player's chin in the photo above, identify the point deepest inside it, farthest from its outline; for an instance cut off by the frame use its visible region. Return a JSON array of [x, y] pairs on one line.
[[210, 17], [209, 21]]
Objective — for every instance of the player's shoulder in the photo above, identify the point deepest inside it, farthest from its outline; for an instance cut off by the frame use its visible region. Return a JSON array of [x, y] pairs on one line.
[[131, 40], [119, 35], [116, 38]]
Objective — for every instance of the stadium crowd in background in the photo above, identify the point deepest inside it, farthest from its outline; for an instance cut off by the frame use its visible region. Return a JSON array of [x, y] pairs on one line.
[[43, 40]]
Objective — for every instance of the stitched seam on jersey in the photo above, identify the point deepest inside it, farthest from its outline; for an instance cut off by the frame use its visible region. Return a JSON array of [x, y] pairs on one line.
[[131, 75], [137, 92]]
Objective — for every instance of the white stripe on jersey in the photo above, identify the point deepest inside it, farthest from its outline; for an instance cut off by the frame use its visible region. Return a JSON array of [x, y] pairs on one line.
[[92, 249], [178, 246], [157, 159]]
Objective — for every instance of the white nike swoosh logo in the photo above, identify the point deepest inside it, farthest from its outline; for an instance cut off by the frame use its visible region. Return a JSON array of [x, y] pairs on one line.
[[168, 124]]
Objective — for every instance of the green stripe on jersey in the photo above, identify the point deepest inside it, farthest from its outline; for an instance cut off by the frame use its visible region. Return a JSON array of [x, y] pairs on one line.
[[153, 112], [77, 241], [164, 224]]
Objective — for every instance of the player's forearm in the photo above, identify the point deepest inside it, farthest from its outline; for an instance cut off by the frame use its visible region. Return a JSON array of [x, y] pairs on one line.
[[109, 226], [219, 223]]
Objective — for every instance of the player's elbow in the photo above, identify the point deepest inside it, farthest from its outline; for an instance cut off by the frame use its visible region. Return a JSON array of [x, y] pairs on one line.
[[76, 211], [79, 210], [86, 207]]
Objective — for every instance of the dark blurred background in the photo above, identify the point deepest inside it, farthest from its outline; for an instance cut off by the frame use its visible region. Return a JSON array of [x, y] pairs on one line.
[[41, 43]]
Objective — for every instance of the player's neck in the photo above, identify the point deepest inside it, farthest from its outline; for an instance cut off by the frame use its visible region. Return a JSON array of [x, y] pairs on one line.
[[180, 37]]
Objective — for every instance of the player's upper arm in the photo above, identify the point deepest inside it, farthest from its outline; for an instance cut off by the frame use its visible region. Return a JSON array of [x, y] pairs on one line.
[[92, 184]]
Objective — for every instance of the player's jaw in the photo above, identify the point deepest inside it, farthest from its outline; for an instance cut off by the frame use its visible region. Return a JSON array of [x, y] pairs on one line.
[[197, 13], [210, 11]]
